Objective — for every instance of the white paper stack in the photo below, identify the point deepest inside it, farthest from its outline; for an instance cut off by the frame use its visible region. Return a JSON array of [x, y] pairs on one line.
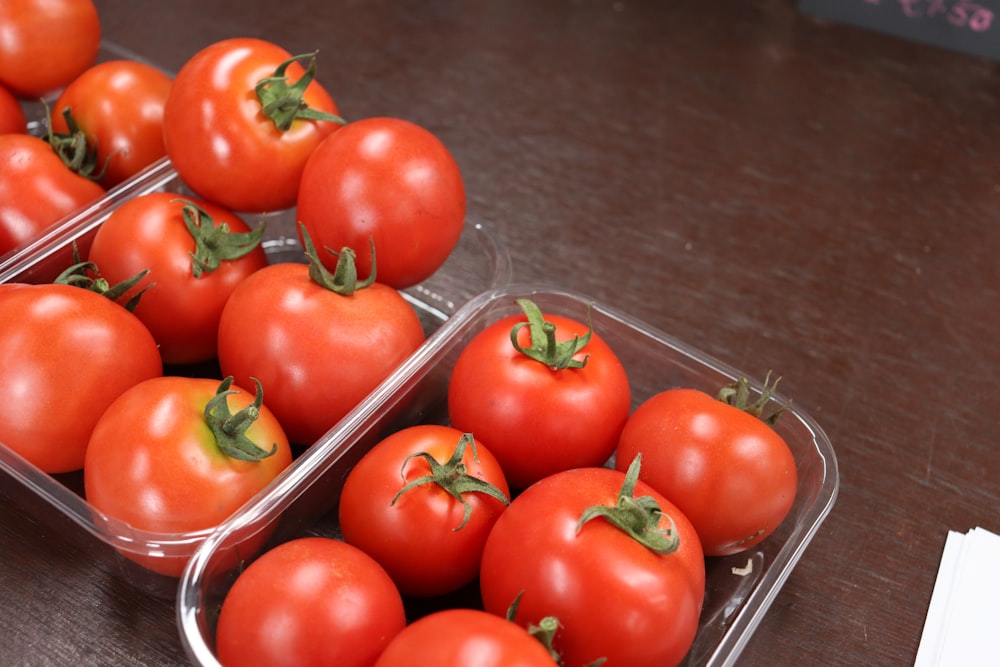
[[962, 628]]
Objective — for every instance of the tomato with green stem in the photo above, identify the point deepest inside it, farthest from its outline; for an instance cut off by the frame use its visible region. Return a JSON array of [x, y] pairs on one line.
[[421, 502]]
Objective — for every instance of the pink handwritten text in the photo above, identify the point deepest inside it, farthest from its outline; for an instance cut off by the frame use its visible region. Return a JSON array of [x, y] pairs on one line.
[[960, 13]]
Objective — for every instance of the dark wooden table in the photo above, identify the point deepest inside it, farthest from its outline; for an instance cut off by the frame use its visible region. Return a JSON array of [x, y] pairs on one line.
[[782, 192]]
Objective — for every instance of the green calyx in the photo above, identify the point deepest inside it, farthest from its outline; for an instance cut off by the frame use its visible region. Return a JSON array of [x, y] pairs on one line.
[[73, 148], [282, 102], [638, 517], [213, 243], [344, 279], [737, 394], [544, 347], [452, 477], [87, 276], [230, 430]]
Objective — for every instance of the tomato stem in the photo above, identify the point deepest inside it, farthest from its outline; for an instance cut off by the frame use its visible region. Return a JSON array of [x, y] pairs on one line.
[[544, 348], [344, 279], [230, 429], [86, 275], [76, 152], [638, 517], [283, 103], [737, 394], [214, 243], [452, 477]]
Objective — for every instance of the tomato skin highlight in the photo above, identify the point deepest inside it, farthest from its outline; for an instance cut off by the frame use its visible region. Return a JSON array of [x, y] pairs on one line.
[[419, 539], [118, 104], [613, 597], [317, 353], [730, 473], [65, 355], [310, 602], [389, 180], [538, 421], [181, 311], [36, 189], [219, 140], [45, 44], [464, 638]]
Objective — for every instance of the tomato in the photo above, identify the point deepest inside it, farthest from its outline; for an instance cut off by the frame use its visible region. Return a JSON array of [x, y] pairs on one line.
[[563, 407], [425, 523], [557, 546], [118, 105], [464, 638], [727, 469], [180, 454], [192, 249], [45, 44], [310, 601], [36, 189], [65, 354], [12, 118], [320, 345], [389, 180], [220, 140]]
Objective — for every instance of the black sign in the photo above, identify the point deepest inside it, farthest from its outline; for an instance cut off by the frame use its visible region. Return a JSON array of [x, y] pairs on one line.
[[968, 26]]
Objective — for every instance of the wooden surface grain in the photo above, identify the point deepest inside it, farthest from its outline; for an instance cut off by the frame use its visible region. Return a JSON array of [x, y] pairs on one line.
[[783, 192]]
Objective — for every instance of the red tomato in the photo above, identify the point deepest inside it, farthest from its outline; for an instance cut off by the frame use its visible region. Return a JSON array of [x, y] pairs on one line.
[[65, 354], [118, 105], [182, 307], [318, 352], [12, 118], [45, 44], [389, 180], [311, 601], [614, 597], [464, 638], [164, 457], [730, 473], [220, 140], [36, 189], [535, 417], [424, 523]]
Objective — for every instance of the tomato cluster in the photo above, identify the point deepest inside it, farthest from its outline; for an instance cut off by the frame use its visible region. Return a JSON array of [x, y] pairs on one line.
[[577, 526]]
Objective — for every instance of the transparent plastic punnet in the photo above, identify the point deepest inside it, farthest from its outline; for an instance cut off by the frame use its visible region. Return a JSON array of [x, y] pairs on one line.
[[479, 262], [739, 588]]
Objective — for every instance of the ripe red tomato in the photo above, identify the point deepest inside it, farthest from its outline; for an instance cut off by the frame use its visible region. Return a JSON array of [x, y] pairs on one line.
[[65, 354], [45, 44], [36, 189], [12, 118], [464, 638], [389, 180], [730, 473], [309, 602], [425, 523], [614, 597], [167, 456], [318, 352], [118, 105], [536, 417], [182, 307], [221, 141]]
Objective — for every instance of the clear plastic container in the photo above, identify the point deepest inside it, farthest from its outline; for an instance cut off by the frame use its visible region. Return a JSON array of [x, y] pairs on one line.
[[479, 262], [739, 588]]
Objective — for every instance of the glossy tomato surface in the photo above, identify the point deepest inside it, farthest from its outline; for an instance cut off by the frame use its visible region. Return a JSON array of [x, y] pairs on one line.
[[221, 143], [45, 44], [65, 355], [183, 303], [317, 353], [118, 105], [389, 180], [614, 598], [309, 602], [12, 118], [730, 473], [422, 536]]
